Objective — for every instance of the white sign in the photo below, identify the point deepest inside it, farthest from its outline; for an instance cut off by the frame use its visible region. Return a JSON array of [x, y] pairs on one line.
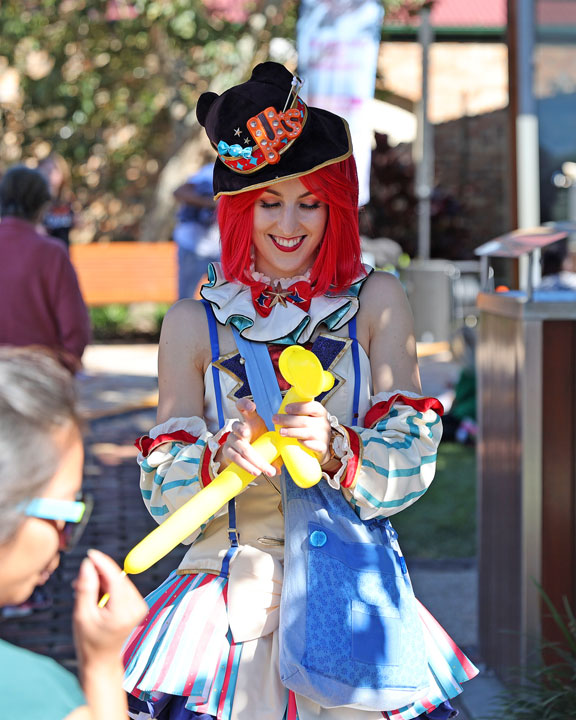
[[338, 43]]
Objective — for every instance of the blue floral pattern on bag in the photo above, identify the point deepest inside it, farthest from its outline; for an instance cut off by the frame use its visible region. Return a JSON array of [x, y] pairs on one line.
[[349, 627], [363, 602]]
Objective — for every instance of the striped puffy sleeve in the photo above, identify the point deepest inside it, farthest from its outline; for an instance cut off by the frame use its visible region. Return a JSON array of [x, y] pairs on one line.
[[390, 462], [176, 462]]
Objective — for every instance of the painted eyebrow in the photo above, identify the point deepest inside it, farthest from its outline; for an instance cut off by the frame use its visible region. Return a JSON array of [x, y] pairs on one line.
[[273, 192]]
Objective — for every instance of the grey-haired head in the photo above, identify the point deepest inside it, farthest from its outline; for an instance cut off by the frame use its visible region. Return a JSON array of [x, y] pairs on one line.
[[37, 398]]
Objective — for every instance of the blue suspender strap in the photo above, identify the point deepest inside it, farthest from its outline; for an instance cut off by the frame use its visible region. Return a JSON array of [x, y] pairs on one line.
[[232, 537], [213, 330], [356, 362], [215, 347]]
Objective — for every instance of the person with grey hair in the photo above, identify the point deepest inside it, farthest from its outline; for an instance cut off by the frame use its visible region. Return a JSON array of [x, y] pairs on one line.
[[42, 304], [41, 457]]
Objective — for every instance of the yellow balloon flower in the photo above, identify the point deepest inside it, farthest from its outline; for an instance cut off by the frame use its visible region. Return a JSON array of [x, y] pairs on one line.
[[303, 371]]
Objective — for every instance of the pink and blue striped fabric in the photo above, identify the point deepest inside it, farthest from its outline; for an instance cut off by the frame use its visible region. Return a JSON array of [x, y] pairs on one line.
[[448, 668], [184, 647]]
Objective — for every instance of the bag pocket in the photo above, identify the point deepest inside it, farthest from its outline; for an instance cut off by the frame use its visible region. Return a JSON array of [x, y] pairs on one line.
[[353, 625], [375, 634]]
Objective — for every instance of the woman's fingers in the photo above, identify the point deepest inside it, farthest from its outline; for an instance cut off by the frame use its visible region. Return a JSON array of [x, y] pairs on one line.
[[241, 431], [238, 449], [304, 420], [101, 632], [309, 424], [312, 409], [246, 407], [87, 584], [250, 417], [253, 466]]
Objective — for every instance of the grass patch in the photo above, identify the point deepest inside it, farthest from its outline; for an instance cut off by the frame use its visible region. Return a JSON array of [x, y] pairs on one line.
[[442, 524]]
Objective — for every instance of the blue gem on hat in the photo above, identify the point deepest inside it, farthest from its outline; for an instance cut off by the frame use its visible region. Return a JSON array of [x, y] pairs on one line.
[[234, 150]]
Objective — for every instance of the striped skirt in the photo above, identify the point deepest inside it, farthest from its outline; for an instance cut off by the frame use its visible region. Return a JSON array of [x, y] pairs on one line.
[[184, 648]]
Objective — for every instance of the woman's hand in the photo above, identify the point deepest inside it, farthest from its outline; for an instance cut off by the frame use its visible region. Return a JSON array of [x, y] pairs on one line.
[[99, 633], [237, 447], [308, 422]]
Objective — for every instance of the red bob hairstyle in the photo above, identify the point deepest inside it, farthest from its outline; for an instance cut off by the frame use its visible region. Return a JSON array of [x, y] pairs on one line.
[[338, 262]]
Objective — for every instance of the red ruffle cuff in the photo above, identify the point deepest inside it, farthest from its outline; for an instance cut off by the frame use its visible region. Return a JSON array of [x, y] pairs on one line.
[[146, 444], [380, 410]]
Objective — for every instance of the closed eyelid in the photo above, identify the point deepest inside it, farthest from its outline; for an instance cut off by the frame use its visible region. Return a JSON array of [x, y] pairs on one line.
[[269, 203]]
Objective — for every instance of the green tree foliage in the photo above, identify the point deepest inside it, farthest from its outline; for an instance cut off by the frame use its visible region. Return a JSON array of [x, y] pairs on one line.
[[112, 85], [116, 97]]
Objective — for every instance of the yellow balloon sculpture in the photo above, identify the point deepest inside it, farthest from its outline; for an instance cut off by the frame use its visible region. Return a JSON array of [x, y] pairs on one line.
[[303, 371]]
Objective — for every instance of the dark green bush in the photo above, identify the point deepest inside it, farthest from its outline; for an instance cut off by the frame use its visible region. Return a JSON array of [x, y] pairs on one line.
[[548, 690], [127, 323]]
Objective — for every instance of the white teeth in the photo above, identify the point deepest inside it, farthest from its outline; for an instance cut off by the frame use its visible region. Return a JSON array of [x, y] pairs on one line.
[[287, 242]]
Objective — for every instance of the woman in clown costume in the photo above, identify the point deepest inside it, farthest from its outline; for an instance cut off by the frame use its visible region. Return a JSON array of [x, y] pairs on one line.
[[290, 273]]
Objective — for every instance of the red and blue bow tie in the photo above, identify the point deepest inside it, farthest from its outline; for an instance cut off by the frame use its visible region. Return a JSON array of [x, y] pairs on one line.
[[265, 296]]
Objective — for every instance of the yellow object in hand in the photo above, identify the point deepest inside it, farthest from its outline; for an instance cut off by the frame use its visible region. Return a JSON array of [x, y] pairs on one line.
[[302, 369]]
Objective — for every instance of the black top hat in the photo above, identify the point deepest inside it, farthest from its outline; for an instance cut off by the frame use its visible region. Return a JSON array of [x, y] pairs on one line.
[[264, 133]]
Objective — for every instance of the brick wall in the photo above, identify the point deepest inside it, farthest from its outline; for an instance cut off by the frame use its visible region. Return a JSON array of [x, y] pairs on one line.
[[468, 106], [472, 165]]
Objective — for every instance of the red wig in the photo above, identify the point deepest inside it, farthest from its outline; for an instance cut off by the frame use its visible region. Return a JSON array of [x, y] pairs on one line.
[[338, 262]]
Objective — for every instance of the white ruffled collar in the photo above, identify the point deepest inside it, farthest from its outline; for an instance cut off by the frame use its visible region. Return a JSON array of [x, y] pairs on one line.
[[232, 305]]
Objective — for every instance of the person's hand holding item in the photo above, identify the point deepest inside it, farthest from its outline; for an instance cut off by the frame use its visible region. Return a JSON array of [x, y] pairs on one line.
[[99, 633], [237, 447], [308, 423]]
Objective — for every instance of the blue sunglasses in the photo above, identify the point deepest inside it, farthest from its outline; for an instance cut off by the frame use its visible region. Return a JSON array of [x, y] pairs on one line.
[[74, 513]]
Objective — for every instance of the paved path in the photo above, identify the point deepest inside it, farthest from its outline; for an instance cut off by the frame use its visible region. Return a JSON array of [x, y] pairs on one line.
[[118, 392]]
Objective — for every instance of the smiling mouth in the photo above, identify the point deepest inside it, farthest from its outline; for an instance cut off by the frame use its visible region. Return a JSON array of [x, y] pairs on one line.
[[288, 244]]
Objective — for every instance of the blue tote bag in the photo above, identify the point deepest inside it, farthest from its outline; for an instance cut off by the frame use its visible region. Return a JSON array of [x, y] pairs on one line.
[[350, 634]]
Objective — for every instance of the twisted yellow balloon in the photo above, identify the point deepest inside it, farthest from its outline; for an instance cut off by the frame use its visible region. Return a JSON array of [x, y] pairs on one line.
[[303, 371]]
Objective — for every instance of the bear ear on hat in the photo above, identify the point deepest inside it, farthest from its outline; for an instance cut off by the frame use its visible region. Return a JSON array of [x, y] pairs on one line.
[[204, 104], [272, 72]]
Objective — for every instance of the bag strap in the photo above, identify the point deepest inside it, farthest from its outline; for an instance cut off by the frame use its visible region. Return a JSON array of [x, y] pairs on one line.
[[215, 347], [261, 377]]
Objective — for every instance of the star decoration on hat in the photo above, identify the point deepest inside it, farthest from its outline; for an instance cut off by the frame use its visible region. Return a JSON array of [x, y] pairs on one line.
[[238, 131], [246, 141]]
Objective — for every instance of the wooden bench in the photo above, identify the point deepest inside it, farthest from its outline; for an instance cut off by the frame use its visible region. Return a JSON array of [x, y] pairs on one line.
[[127, 272]]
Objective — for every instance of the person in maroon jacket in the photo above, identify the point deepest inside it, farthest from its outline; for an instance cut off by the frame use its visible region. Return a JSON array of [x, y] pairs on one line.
[[42, 305]]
